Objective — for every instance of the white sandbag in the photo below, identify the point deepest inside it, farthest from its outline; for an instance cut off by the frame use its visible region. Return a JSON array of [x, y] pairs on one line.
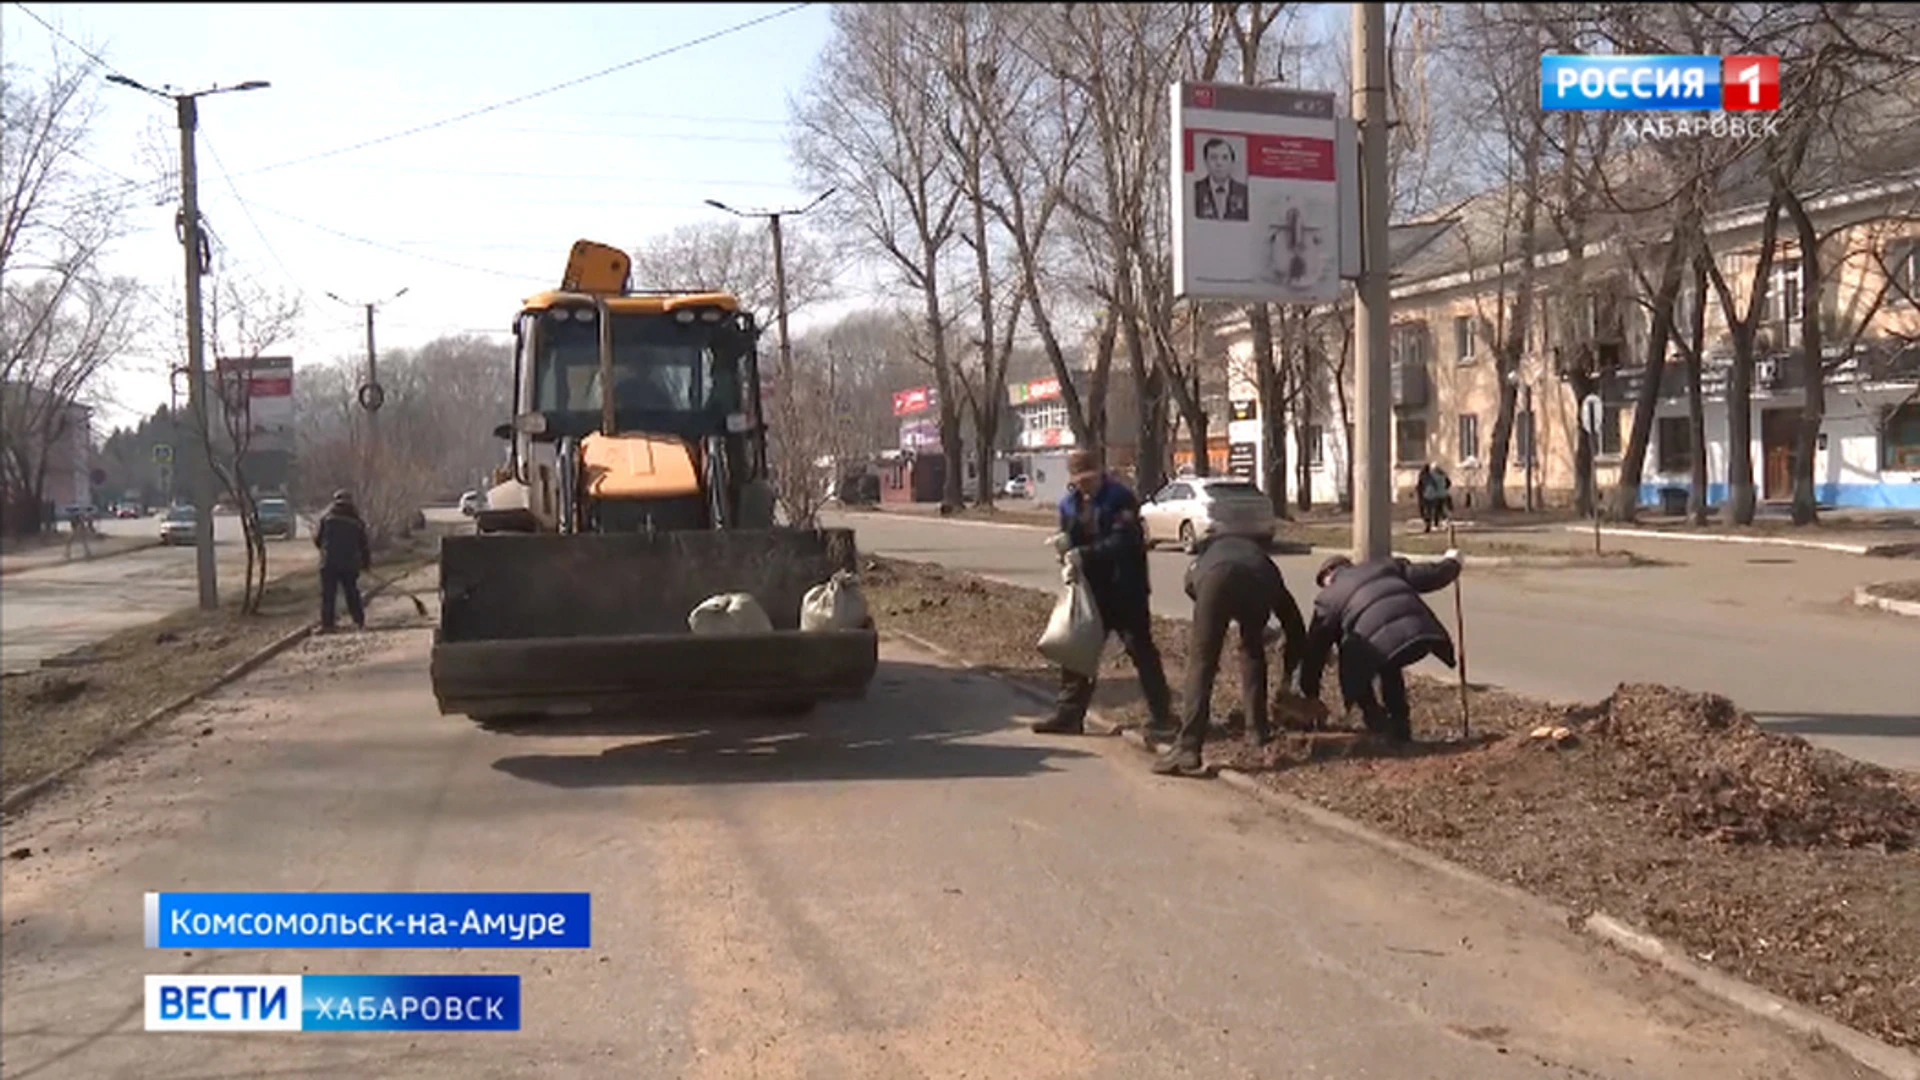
[[730, 613], [1075, 637], [835, 604]]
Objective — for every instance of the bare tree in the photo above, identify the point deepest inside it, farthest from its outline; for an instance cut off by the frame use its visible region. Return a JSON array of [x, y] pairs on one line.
[[63, 320], [245, 320], [869, 126], [736, 257]]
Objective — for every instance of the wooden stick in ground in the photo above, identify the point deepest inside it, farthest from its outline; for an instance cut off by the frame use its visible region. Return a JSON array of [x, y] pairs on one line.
[[1460, 642]]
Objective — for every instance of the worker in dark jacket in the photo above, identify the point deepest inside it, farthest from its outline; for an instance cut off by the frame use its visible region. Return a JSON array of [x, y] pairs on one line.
[[344, 552], [1374, 612], [1102, 542], [1232, 581]]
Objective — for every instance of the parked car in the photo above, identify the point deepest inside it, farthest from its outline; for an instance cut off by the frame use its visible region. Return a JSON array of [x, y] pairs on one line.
[[1018, 488], [125, 511], [1183, 510], [473, 502], [276, 518], [177, 526]]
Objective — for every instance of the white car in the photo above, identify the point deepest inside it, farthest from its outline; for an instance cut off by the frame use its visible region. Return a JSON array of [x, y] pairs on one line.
[[1183, 511], [1018, 488], [473, 502]]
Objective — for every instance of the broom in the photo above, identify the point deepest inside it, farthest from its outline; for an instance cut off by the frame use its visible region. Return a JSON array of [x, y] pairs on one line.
[[1460, 636]]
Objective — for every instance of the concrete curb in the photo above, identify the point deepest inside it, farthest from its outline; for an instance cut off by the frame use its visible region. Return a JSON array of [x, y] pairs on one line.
[[1718, 538], [239, 671], [1865, 597], [144, 545], [1887, 1060], [1618, 560]]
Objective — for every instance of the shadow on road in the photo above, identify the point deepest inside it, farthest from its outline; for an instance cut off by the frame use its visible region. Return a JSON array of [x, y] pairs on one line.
[[1896, 727], [915, 724]]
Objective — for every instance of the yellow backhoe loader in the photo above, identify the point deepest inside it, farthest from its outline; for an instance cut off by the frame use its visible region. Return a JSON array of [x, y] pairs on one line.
[[635, 488]]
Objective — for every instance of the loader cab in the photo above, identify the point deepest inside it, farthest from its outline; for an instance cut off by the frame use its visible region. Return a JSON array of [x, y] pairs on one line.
[[680, 366]]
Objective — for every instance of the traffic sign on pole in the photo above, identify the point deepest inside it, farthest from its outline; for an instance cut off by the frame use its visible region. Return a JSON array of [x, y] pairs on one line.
[[162, 454]]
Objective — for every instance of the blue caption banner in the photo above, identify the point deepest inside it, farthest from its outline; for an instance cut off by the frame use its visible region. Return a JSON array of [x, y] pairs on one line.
[[369, 921], [333, 1003], [1629, 82]]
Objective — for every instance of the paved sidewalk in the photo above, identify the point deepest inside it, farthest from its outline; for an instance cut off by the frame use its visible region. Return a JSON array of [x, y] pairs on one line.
[[57, 552]]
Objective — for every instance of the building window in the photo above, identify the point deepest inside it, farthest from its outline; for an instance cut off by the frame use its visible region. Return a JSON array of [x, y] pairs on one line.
[[1903, 268], [1316, 446], [1408, 345], [1676, 445], [1463, 338], [1610, 431], [1410, 440], [1523, 436], [1469, 437], [1783, 301], [1900, 440]]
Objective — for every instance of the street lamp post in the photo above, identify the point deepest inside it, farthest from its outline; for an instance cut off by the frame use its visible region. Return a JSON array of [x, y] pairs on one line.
[[200, 471]]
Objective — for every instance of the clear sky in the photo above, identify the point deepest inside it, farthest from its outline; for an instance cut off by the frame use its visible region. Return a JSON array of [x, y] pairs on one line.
[[469, 217]]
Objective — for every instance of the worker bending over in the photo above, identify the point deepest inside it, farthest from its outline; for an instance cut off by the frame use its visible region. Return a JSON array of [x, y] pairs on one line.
[[1374, 612], [1232, 581]]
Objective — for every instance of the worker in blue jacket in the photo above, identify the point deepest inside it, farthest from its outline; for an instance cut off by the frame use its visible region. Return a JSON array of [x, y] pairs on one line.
[[1102, 542]]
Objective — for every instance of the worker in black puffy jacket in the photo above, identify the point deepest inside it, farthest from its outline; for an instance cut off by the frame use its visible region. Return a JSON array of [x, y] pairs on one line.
[[1374, 612]]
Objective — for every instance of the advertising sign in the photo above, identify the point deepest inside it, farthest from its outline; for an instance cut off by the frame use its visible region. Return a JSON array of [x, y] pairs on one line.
[[1242, 458], [1256, 194], [917, 400], [920, 435], [262, 386], [1038, 390]]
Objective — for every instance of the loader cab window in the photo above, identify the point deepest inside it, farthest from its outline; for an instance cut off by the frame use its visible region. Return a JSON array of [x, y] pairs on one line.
[[660, 366]]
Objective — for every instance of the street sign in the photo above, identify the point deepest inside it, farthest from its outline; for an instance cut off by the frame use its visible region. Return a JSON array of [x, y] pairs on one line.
[[162, 454], [1592, 412]]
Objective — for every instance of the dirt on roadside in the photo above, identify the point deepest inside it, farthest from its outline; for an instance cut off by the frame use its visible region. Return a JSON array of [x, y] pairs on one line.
[[1784, 864], [53, 717]]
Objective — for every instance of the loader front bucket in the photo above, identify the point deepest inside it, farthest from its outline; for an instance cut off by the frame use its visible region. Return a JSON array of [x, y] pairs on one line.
[[570, 624]]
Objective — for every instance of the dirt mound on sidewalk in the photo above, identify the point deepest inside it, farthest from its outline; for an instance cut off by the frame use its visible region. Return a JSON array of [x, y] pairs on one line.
[[1710, 771]]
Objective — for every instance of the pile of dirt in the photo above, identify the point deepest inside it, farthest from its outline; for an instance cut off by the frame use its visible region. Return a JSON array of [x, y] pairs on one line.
[[1782, 864], [1711, 771], [1899, 590]]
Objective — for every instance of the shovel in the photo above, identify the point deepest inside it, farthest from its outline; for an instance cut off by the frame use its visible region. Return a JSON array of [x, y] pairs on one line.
[[419, 606]]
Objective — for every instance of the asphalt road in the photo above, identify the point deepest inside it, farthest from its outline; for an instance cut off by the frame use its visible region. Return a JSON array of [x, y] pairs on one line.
[[890, 891], [50, 610], [1772, 628]]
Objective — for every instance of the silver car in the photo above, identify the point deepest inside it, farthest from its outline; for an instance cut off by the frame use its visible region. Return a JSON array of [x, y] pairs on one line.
[[1185, 509], [177, 526]]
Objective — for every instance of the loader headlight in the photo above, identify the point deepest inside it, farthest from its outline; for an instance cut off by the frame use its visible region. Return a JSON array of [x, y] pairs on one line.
[[711, 315], [683, 317], [584, 314]]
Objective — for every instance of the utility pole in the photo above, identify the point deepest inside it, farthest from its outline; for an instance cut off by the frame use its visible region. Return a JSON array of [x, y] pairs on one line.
[[1373, 475], [371, 394], [200, 463], [779, 274]]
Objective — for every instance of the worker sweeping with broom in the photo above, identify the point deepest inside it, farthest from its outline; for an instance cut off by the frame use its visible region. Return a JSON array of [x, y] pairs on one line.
[[1374, 612]]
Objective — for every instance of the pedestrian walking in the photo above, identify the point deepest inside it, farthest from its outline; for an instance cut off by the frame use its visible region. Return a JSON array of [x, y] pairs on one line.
[[1434, 490], [345, 551], [1232, 581], [79, 527], [1374, 612], [1101, 542]]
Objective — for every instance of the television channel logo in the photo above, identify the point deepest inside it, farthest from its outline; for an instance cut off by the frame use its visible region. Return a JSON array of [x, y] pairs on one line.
[[1660, 83]]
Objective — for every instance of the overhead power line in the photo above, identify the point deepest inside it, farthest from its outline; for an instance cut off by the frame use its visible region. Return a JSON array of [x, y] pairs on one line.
[[556, 88], [385, 246]]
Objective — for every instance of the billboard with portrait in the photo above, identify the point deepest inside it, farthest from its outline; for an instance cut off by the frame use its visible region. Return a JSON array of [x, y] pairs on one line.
[[1256, 193]]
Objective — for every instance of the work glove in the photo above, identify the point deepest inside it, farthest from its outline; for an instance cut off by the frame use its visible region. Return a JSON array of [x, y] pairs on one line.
[[1451, 553], [1061, 543], [1073, 568]]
